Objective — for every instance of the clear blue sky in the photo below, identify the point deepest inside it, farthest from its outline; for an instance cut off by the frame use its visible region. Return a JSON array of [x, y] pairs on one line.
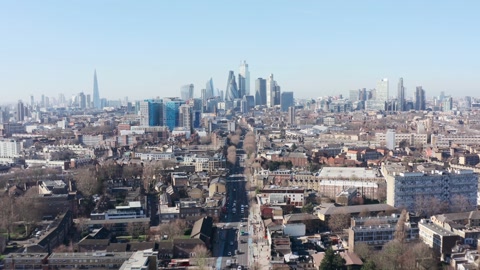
[[144, 49]]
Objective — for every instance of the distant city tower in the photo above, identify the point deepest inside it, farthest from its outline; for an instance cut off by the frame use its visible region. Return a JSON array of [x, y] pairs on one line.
[[96, 94]]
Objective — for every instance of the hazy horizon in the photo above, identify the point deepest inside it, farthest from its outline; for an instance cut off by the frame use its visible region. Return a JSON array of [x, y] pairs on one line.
[[148, 49]]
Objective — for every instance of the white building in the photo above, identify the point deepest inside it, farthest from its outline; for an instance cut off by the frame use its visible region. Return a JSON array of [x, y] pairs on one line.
[[390, 139], [10, 148], [410, 138]]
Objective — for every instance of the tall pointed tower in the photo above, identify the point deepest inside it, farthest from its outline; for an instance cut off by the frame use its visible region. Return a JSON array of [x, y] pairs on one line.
[[96, 94]]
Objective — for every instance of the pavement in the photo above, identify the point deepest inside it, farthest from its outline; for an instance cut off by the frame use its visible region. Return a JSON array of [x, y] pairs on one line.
[[259, 251]]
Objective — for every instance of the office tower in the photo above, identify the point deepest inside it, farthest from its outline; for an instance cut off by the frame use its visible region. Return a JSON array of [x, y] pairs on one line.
[[245, 74], [61, 99], [241, 85], [42, 102], [442, 96], [419, 99], [20, 111], [271, 91], [447, 104], [89, 101], [277, 98], [32, 101], [209, 90], [260, 91], [291, 115], [171, 112], [197, 109], [354, 95], [185, 116], [243, 104], [96, 95], [401, 96], [250, 101], [232, 91], [150, 112], [468, 102], [220, 94], [82, 100], [186, 92], [379, 97], [286, 101], [47, 102], [382, 90], [363, 94]]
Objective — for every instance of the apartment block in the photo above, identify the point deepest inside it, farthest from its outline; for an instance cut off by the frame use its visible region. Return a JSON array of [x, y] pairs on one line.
[[405, 186]]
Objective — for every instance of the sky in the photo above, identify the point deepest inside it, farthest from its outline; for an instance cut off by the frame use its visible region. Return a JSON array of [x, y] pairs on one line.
[[145, 49]]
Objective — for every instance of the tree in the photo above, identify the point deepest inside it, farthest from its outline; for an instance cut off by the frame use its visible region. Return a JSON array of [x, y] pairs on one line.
[[232, 155], [86, 181], [339, 220], [8, 214], [235, 139], [400, 229], [369, 265], [135, 229], [307, 208], [26, 208], [205, 140], [364, 213], [201, 255], [332, 261], [460, 203]]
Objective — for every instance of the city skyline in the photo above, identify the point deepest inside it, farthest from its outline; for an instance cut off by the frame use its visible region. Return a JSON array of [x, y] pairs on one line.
[[314, 53]]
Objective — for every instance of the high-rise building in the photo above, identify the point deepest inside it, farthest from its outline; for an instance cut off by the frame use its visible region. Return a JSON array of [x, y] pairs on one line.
[[277, 98], [291, 115], [286, 101], [171, 113], [468, 102], [401, 96], [260, 91], [150, 112], [232, 90], [32, 101], [420, 99], [382, 90], [42, 102], [89, 101], [271, 91], [209, 90], [186, 92], [447, 104], [185, 116], [82, 100], [244, 80], [20, 111], [379, 96], [354, 95], [96, 94], [390, 139]]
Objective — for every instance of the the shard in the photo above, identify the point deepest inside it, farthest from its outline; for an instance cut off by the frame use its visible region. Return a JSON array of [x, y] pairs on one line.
[[96, 94]]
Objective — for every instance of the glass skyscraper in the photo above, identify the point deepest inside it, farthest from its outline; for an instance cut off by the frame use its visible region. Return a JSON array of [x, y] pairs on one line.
[[232, 91], [286, 101], [96, 94]]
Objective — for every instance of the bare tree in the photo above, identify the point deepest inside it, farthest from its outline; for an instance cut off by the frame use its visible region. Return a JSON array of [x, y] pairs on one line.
[[26, 208], [364, 213], [201, 255], [339, 220], [232, 155], [8, 214], [235, 139], [86, 181], [205, 140], [401, 230], [135, 229], [460, 203]]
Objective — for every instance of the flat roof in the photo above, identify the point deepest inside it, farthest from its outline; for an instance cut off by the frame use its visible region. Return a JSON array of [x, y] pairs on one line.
[[347, 172]]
